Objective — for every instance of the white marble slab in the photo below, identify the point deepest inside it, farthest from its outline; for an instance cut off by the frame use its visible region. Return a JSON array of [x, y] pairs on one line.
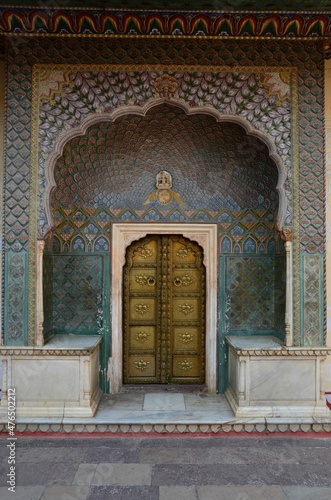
[[71, 341], [164, 402], [254, 342], [205, 402]]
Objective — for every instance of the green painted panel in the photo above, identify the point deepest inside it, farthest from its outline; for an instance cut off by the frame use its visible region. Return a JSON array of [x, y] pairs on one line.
[[16, 298], [250, 285], [77, 293], [252, 292], [77, 299], [312, 299]]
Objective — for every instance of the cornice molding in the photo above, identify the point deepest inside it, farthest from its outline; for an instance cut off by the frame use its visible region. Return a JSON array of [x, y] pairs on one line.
[[284, 352], [142, 23]]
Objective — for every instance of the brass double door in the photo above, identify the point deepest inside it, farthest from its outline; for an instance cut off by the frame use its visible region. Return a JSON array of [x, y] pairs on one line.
[[164, 312]]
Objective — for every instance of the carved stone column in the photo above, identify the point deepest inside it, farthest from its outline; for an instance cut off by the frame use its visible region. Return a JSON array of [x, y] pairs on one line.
[[286, 236], [39, 301], [289, 295]]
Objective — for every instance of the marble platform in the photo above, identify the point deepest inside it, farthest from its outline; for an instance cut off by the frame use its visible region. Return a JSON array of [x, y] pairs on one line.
[[184, 413], [268, 379], [59, 379]]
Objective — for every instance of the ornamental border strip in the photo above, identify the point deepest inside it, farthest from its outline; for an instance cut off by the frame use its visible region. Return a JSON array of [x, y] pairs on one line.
[[137, 23], [32, 351], [283, 426], [289, 352]]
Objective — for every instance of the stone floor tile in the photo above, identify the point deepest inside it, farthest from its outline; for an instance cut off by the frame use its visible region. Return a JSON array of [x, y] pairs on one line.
[[60, 454], [190, 475], [61, 492], [163, 455], [123, 474], [22, 493], [178, 493], [304, 493], [294, 475], [206, 402], [243, 454], [102, 454], [240, 493], [164, 402], [307, 442], [85, 474], [4, 469], [45, 473], [232, 456], [124, 493], [121, 401]]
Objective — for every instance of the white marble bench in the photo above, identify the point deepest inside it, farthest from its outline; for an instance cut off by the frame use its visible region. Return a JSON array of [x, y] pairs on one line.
[[267, 379], [60, 379]]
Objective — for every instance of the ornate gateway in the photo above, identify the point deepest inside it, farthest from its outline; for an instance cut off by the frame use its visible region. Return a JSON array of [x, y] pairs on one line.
[[164, 311]]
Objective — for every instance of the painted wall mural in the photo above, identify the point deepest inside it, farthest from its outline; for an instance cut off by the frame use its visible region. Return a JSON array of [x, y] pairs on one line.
[[275, 87], [213, 165], [215, 172], [68, 100]]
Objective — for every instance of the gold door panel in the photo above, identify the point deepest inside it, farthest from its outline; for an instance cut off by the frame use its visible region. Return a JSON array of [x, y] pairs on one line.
[[142, 366], [142, 337], [142, 309], [186, 366], [164, 311], [143, 280], [186, 338], [185, 309], [185, 280]]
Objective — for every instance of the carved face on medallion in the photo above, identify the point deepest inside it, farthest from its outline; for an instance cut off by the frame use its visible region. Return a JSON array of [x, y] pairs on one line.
[[163, 180]]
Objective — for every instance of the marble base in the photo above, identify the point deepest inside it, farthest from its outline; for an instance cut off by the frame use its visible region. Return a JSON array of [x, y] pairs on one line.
[[125, 413], [267, 379], [60, 379]]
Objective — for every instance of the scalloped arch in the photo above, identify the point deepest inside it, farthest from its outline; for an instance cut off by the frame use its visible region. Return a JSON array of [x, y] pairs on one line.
[[142, 111]]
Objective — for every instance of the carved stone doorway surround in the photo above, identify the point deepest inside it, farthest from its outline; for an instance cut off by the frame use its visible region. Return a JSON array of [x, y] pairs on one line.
[[123, 234]]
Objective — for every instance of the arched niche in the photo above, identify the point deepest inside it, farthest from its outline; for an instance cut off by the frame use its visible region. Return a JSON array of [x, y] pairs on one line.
[[51, 185]]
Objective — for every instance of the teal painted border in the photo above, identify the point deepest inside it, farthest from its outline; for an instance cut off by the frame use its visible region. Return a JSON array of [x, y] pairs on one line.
[[105, 347], [222, 358], [321, 297], [22, 340]]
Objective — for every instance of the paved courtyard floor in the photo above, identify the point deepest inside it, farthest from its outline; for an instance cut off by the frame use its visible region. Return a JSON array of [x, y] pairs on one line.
[[168, 468]]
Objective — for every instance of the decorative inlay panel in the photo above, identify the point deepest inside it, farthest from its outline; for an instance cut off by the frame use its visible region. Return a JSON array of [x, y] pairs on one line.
[[250, 288], [77, 288], [308, 102], [142, 337], [16, 310], [312, 297], [186, 308], [186, 337], [142, 365], [256, 229], [142, 308], [185, 365]]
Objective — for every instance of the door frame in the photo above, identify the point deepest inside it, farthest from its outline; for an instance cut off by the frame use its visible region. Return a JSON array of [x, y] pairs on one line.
[[123, 234]]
